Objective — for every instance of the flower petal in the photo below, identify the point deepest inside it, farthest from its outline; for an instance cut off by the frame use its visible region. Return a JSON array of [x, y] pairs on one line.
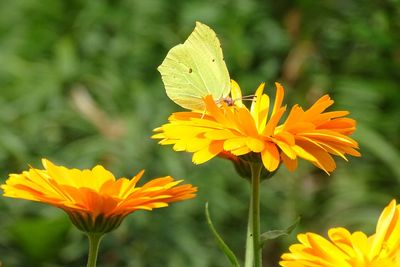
[[270, 157]]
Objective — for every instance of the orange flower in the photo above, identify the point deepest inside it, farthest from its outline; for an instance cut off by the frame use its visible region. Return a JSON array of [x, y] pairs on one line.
[[94, 199], [350, 250], [234, 130]]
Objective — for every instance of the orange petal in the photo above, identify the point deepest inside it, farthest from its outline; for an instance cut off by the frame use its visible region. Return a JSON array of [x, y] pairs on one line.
[[280, 92], [291, 164]]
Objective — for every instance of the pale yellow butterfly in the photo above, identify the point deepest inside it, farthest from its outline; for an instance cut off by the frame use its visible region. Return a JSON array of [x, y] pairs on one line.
[[194, 69]]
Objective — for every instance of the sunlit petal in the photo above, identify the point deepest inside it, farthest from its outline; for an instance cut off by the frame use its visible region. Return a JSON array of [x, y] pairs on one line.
[[345, 249], [92, 194], [311, 134]]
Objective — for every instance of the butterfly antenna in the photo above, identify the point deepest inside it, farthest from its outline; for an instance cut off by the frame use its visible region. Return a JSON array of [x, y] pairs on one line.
[[248, 97], [245, 98]]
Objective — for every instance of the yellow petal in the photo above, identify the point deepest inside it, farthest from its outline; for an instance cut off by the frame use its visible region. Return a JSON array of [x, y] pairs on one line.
[[241, 151], [383, 225], [257, 95], [303, 153], [286, 149], [234, 143], [255, 144], [236, 94], [207, 153], [270, 157]]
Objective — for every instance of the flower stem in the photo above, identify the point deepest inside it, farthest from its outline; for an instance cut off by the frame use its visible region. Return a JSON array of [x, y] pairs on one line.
[[249, 258], [253, 248], [94, 243]]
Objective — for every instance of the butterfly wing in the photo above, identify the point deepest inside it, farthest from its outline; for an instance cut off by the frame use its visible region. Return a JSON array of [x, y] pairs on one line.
[[195, 69]]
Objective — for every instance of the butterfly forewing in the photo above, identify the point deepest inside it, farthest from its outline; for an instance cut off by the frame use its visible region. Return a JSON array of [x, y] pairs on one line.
[[195, 69]]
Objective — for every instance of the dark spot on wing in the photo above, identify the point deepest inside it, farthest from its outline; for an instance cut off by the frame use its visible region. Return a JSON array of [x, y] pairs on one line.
[[213, 60], [190, 70]]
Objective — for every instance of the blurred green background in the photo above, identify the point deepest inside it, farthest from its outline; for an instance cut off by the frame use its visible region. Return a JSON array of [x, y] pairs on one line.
[[79, 85]]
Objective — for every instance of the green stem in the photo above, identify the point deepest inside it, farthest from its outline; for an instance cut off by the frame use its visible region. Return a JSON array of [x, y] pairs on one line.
[[94, 243], [249, 258], [253, 247]]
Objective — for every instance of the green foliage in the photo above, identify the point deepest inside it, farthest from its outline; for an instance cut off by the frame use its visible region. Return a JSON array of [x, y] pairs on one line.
[[273, 234], [39, 238], [78, 85], [220, 242]]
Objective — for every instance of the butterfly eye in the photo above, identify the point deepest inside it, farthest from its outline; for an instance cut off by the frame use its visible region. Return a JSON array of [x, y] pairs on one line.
[[229, 101]]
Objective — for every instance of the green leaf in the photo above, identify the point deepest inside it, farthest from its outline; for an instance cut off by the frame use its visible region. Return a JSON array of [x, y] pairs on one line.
[[273, 234], [222, 245]]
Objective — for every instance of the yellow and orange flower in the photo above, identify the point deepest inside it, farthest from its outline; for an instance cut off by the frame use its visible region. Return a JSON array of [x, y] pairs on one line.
[[231, 131], [345, 249], [94, 200]]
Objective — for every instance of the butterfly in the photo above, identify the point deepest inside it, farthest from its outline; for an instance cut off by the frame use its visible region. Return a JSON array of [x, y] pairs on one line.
[[195, 69]]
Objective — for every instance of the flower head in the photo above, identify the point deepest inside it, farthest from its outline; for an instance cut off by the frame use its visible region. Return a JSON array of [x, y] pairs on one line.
[[232, 131], [345, 249], [94, 200]]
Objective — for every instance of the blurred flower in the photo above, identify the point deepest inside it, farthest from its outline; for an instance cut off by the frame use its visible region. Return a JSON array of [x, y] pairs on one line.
[[238, 133], [350, 250], [95, 201]]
